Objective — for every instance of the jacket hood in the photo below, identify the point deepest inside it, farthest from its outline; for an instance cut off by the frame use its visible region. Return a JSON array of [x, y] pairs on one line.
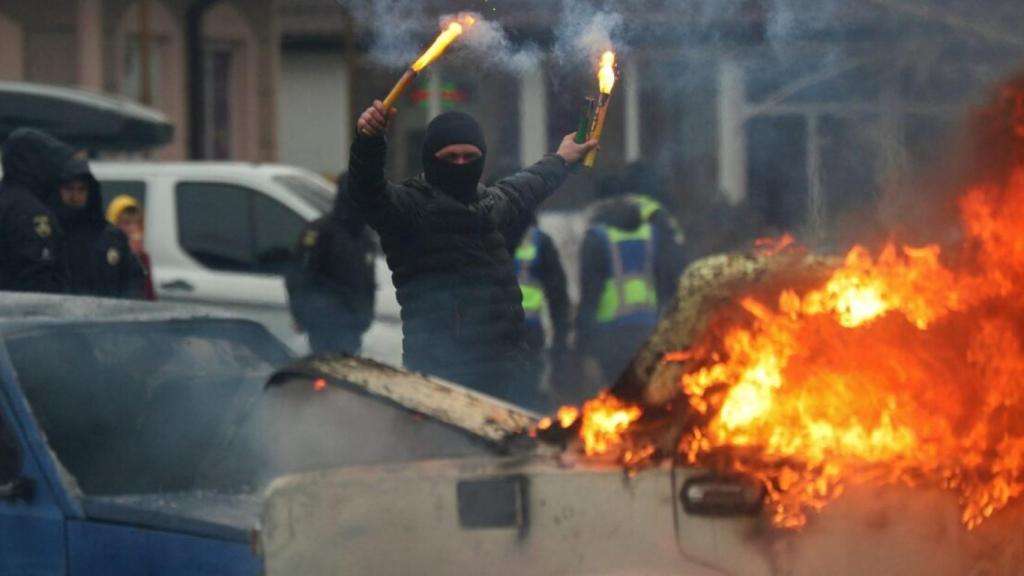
[[33, 159], [619, 213], [78, 169]]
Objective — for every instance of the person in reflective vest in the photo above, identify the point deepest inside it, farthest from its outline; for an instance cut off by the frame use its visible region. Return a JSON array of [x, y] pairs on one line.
[[546, 309], [629, 266]]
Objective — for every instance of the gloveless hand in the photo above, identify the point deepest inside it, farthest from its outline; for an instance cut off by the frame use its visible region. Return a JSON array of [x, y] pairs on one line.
[[572, 152], [375, 120]]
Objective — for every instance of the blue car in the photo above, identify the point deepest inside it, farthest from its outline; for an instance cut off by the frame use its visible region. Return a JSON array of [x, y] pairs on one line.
[[140, 438], [115, 423]]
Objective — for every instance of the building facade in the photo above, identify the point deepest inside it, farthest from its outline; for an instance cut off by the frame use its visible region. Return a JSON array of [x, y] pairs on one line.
[[794, 112], [210, 66]]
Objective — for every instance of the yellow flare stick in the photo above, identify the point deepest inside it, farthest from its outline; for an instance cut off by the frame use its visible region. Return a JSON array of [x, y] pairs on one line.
[[399, 87], [595, 134]]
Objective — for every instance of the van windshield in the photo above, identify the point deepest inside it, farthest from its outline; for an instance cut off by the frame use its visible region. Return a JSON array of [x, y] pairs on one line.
[[317, 193]]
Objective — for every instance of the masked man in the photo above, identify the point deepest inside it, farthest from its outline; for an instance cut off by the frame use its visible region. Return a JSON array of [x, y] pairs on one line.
[[444, 238]]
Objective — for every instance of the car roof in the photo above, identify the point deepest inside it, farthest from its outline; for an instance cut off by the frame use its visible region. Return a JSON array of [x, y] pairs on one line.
[[21, 309], [196, 168]]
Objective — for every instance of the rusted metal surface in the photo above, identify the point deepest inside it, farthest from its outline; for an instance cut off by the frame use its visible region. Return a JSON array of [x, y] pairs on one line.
[[482, 415]]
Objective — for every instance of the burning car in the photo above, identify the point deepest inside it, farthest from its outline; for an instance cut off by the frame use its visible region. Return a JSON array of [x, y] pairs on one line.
[[793, 414], [618, 487]]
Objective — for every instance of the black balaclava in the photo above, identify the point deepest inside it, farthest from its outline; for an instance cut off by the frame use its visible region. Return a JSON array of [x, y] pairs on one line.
[[456, 180], [92, 212]]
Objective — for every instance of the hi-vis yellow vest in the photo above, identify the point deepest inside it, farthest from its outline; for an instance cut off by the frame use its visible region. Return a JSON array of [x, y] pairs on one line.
[[629, 294], [534, 300]]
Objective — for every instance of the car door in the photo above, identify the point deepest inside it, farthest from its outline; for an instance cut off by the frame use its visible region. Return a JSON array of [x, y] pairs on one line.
[[32, 534], [495, 516], [236, 242]]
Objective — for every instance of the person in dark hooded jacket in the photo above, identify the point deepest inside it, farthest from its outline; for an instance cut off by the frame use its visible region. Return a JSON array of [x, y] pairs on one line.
[[444, 238], [330, 280], [99, 260], [30, 237]]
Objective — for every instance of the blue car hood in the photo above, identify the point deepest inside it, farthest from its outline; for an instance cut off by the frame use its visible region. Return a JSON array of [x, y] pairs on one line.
[[228, 517]]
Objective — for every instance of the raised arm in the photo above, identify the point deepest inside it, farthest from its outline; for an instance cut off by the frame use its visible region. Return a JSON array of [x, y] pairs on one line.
[[369, 188], [514, 200]]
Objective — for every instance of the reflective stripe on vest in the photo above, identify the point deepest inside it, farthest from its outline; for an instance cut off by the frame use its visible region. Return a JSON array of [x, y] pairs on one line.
[[629, 295], [525, 259], [648, 206]]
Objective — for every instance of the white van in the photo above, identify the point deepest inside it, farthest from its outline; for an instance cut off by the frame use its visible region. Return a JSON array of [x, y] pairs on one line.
[[221, 234]]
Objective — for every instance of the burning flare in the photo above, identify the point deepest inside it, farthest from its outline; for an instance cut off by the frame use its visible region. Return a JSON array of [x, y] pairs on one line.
[[902, 367], [606, 75], [444, 39]]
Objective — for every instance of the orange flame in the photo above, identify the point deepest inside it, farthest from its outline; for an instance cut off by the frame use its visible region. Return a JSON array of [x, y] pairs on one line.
[[444, 39], [901, 367], [605, 419], [606, 72]]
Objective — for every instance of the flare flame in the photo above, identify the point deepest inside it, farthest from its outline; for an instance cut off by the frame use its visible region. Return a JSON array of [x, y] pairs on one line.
[[444, 39]]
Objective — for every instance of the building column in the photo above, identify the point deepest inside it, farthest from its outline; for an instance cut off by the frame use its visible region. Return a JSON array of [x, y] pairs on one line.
[[90, 44], [732, 141], [434, 94], [631, 101], [533, 116]]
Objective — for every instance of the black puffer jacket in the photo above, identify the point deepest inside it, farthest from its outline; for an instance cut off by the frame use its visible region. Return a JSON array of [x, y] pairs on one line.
[[99, 262], [330, 280], [30, 237], [462, 309]]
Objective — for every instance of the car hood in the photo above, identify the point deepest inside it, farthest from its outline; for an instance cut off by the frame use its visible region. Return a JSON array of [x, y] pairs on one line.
[[219, 516]]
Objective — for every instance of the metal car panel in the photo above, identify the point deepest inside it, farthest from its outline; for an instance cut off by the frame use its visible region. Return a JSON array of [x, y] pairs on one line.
[[405, 519], [31, 532], [96, 548]]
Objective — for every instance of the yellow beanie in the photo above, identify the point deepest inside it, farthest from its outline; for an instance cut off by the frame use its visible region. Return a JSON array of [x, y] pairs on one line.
[[119, 205]]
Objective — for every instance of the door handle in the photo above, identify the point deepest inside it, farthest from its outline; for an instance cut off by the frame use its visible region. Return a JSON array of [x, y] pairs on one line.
[[178, 285]]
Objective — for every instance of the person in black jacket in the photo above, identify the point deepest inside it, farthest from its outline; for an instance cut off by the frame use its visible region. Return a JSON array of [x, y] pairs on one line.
[[444, 238], [330, 280], [30, 237], [99, 260]]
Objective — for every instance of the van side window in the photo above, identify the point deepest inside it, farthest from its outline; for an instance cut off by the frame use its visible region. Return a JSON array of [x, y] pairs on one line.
[[276, 231], [214, 225], [10, 454], [235, 229]]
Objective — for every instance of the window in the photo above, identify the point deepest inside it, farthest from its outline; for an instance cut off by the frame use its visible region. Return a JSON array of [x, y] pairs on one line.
[[10, 454], [134, 73], [276, 230], [235, 229], [149, 407], [219, 68], [314, 191]]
